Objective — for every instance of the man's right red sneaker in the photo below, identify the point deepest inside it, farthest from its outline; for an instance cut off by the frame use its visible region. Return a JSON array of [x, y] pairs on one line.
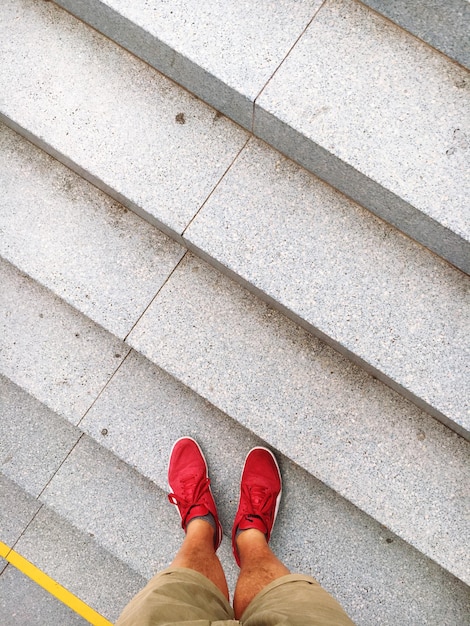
[[260, 495], [190, 485]]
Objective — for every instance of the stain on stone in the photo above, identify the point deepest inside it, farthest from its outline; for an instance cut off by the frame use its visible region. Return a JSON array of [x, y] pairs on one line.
[[421, 436], [180, 118], [460, 141]]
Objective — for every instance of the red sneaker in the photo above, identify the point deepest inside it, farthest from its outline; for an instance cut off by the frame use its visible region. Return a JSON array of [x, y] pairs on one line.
[[190, 485], [260, 495]]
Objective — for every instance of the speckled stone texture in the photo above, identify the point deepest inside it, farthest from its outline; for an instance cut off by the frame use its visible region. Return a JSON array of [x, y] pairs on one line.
[[444, 25], [382, 117], [76, 561], [17, 509], [223, 52], [24, 602], [92, 252], [110, 116], [51, 351], [34, 441], [313, 405], [374, 294]]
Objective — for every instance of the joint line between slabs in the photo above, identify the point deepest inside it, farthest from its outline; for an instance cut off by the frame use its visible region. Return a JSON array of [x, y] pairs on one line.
[[58, 469], [281, 63], [51, 586], [217, 185], [154, 297]]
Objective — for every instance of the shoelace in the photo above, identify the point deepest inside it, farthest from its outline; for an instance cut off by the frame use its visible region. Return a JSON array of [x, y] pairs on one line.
[[189, 491], [262, 501]]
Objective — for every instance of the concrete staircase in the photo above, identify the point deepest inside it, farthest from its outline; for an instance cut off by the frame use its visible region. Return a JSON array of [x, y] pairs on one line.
[[165, 271]]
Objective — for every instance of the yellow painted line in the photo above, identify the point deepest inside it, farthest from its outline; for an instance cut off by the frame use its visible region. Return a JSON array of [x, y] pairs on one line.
[[53, 587]]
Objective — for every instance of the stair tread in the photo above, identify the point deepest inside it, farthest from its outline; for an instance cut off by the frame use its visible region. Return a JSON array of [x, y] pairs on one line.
[[443, 26], [95, 351], [76, 561], [359, 431], [224, 52], [22, 602], [339, 423], [353, 556], [400, 156], [62, 231], [50, 349], [351, 270], [350, 554], [221, 364], [17, 509], [374, 294], [34, 441], [124, 125]]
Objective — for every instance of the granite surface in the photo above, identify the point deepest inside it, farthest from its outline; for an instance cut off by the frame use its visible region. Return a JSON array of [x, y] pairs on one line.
[[100, 494], [110, 116], [34, 441], [23, 602], [326, 414], [17, 509], [77, 562], [444, 25], [371, 292], [382, 117], [50, 350], [223, 52], [92, 252], [141, 413]]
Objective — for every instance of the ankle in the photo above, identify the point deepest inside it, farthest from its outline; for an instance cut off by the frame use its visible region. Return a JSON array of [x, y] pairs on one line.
[[250, 539], [201, 529]]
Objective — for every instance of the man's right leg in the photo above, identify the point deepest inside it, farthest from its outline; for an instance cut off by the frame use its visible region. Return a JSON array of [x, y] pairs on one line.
[[259, 568]]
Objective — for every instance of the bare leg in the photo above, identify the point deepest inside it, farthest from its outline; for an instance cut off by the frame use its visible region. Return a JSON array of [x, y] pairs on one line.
[[259, 567], [197, 553]]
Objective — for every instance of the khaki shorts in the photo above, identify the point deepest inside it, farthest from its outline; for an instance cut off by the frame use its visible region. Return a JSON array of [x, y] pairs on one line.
[[183, 597]]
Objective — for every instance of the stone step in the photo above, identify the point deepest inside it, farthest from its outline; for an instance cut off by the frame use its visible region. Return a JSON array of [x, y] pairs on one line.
[[302, 91], [103, 112], [51, 350], [91, 251], [71, 557], [24, 602], [17, 510], [34, 441], [68, 373], [110, 264], [383, 301], [380, 116], [97, 503], [64, 233], [443, 25], [290, 389]]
